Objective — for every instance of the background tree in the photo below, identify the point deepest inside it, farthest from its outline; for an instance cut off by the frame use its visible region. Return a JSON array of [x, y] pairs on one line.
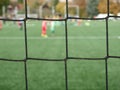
[[114, 7], [72, 11], [92, 9], [81, 3], [53, 5], [60, 7], [102, 6], [20, 1], [54, 2], [82, 6], [3, 3], [118, 2], [34, 3]]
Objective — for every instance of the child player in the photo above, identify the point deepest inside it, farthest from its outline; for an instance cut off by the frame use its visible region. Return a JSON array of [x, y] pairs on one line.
[[0, 25], [20, 24], [53, 26], [44, 29]]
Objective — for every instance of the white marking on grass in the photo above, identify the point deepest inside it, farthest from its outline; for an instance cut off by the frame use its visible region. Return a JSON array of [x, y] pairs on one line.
[[118, 37], [30, 25], [60, 37]]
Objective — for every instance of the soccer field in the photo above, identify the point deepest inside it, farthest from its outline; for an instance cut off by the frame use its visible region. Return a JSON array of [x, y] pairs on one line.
[[84, 41]]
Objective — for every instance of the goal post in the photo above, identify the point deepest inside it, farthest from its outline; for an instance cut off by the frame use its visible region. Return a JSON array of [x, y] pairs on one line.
[[3, 11], [76, 7]]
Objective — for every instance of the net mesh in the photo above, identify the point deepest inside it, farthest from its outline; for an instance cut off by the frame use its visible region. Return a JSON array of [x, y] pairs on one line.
[[65, 60]]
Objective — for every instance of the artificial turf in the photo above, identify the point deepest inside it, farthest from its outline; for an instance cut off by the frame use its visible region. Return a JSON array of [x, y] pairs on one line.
[[82, 42]]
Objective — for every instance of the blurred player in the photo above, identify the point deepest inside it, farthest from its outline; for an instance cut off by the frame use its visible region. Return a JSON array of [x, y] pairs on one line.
[[52, 28], [79, 22], [20, 24], [1, 24], [44, 29], [87, 23]]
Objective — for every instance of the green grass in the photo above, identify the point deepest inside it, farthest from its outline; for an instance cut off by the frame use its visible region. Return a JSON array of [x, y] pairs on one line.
[[83, 41]]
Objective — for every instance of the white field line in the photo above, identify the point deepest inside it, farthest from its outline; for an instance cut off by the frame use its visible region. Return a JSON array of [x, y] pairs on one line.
[[58, 37]]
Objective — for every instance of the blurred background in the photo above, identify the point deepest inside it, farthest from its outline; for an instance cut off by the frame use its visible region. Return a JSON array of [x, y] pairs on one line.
[[85, 39], [42, 8]]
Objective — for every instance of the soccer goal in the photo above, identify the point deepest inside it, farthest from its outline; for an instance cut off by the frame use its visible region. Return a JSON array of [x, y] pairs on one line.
[[73, 10]]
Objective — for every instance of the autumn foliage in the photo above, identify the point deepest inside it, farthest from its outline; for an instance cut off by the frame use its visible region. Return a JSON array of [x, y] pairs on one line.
[[113, 7]]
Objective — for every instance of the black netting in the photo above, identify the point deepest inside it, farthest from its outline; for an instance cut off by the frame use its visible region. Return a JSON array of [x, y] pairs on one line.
[[67, 57]]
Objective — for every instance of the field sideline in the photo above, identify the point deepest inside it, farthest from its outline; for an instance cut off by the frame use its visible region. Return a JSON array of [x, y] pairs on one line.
[[83, 41]]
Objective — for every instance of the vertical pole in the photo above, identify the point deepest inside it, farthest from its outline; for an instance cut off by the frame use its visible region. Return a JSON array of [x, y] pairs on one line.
[[40, 11], [3, 11], [77, 10], [53, 10], [65, 12], [28, 10], [16, 12]]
